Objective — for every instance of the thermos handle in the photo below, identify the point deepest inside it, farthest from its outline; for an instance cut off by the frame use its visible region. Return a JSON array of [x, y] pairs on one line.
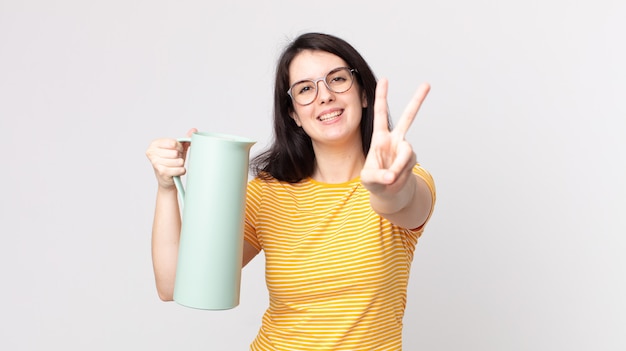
[[177, 181]]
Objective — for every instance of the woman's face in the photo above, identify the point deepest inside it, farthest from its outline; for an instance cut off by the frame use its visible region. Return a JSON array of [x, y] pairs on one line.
[[332, 118]]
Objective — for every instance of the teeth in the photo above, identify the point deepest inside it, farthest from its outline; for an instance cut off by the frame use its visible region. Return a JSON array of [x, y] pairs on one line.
[[329, 116]]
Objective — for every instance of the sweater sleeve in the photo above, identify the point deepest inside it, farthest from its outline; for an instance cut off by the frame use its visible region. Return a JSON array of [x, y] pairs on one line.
[[427, 177]]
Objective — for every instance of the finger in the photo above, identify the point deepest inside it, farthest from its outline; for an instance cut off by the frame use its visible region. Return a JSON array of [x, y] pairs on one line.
[[171, 145], [381, 121], [163, 148], [186, 144], [405, 159], [411, 109], [168, 148], [165, 143], [170, 159], [371, 176], [168, 153], [165, 171]]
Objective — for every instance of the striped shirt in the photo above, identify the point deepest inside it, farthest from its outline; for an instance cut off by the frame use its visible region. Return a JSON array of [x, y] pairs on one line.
[[336, 271]]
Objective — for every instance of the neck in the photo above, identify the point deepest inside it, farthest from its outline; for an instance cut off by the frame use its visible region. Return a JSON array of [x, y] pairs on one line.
[[338, 164]]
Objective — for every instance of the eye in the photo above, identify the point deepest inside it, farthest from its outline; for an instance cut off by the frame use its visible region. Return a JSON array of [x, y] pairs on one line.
[[338, 77], [303, 88]]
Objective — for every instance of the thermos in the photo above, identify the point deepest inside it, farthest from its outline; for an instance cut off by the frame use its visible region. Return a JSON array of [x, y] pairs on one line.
[[208, 272]]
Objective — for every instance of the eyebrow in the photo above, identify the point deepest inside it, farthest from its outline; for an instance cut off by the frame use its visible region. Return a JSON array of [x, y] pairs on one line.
[[312, 79]]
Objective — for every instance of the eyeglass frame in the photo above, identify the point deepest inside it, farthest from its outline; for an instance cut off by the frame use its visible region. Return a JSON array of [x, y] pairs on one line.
[[323, 79]]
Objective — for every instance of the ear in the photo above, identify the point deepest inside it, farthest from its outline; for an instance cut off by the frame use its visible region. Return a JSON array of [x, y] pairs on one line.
[[295, 117], [363, 99]]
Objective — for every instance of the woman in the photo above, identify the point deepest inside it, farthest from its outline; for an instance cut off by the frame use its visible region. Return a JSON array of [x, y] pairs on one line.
[[337, 204]]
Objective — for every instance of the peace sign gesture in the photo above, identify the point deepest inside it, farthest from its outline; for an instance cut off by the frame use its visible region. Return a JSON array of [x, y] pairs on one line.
[[388, 165]]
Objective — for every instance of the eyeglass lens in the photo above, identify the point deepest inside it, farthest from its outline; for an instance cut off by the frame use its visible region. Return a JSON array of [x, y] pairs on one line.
[[338, 80]]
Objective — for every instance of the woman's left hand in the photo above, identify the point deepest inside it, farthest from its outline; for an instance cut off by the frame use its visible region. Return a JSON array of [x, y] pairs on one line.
[[390, 160]]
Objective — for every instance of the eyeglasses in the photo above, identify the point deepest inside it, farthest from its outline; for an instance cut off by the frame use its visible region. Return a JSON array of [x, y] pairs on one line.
[[339, 80]]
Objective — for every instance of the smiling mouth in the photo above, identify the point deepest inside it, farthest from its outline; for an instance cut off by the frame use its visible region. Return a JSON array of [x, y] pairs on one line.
[[330, 116]]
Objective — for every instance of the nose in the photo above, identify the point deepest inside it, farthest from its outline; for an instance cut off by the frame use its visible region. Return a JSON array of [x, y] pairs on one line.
[[323, 93]]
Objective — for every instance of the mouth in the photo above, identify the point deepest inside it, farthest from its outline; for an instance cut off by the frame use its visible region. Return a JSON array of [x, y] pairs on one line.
[[329, 116]]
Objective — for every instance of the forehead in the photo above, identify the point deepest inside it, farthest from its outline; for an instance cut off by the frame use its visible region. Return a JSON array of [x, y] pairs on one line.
[[310, 64]]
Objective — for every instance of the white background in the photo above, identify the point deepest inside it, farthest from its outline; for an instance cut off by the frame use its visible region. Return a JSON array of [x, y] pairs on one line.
[[524, 132]]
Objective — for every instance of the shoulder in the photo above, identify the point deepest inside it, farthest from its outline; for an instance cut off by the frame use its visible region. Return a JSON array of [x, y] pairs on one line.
[[424, 174], [265, 182], [262, 180]]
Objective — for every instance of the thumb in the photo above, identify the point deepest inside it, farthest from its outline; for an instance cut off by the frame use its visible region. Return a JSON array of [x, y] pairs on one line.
[[191, 131], [186, 145]]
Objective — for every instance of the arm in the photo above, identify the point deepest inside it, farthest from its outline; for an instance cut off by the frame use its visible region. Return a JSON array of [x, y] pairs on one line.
[[410, 208], [167, 157], [396, 193], [165, 239]]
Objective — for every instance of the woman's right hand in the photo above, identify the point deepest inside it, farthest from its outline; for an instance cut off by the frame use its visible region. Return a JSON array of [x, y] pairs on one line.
[[167, 157]]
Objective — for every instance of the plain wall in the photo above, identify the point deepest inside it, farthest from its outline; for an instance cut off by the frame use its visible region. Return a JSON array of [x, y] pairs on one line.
[[524, 132]]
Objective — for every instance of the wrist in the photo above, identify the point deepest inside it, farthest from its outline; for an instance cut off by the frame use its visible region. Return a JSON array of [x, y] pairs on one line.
[[165, 189]]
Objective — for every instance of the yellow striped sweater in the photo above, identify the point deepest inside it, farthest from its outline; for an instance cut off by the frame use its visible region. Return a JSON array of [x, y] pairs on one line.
[[336, 271]]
